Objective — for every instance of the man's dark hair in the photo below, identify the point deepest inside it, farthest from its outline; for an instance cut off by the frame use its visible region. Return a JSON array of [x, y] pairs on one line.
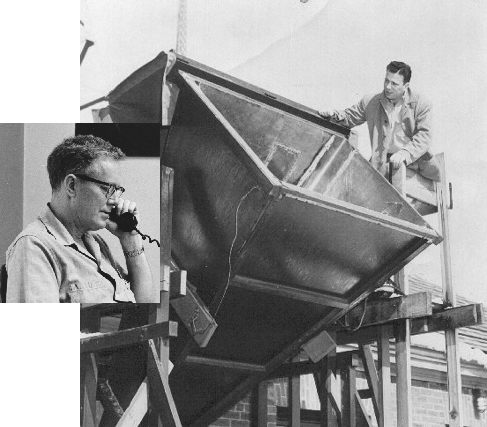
[[76, 155], [400, 67]]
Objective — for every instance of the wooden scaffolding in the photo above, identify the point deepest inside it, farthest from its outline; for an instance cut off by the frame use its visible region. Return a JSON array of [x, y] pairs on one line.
[[380, 321], [146, 328]]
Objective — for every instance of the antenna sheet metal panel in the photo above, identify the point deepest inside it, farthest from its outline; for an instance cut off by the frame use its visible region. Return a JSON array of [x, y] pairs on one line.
[[312, 213], [267, 192]]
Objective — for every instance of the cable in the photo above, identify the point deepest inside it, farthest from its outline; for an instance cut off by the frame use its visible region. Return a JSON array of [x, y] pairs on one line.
[[144, 236], [363, 315], [231, 248]]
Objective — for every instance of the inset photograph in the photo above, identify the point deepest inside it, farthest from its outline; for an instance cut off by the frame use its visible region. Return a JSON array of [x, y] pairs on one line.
[[80, 213]]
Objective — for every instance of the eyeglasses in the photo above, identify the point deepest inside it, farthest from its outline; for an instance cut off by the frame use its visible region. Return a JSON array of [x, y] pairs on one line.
[[111, 189]]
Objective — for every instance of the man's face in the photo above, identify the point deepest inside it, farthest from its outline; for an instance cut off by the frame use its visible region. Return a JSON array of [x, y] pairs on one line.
[[394, 86], [91, 206]]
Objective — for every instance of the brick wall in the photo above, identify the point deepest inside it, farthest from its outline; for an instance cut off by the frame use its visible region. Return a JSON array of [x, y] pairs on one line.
[[430, 406]]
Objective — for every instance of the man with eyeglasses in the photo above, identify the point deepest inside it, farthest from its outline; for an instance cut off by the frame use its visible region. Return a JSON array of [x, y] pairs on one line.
[[60, 257]]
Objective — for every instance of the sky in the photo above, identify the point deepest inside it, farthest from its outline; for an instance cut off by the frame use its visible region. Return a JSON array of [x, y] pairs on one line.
[[329, 53]]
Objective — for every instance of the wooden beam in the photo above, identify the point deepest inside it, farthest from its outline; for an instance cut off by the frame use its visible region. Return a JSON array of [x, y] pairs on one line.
[[92, 310], [160, 393], [259, 405], [349, 380], [165, 278], [160, 313], [109, 340], [89, 377], [385, 415], [178, 284], [108, 398], [288, 292], [295, 368], [363, 418], [333, 412], [385, 310], [294, 399], [195, 316], [371, 375], [403, 375], [453, 318], [137, 409], [309, 367], [224, 364], [86, 46], [329, 411]]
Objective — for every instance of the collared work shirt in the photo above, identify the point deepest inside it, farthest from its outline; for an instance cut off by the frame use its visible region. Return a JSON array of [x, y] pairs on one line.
[[44, 264], [395, 138]]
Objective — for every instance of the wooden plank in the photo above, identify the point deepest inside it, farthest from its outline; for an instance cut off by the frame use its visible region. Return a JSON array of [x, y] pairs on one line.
[[90, 310], [403, 336], [385, 407], [165, 278], [333, 413], [420, 188], [309, 367], [195, 316], [259, 405], [88, 390], [371, 375], [160, 313], [449, 296], [137, 409], [108, 398], [348, 379], [109, 340], [288, 292], [160, 393], [178, 284], [294, 399], [324, 382], [453, 318], [319, 346], [385, 310], [224, 364], [403, 375], [363, 418]]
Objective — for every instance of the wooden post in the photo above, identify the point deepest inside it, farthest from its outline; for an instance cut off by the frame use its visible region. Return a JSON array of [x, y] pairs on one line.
[[348, 380], [323, 382], [371, 375], [160, 312], [89, 377], [259, 405], [294, 399], [385, 416], [451, 335], [403, 332]]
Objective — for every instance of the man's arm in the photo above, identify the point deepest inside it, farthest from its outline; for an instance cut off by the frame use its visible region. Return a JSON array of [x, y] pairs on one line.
[[421, 140], [351, 117], [31, 272], [139, 273]]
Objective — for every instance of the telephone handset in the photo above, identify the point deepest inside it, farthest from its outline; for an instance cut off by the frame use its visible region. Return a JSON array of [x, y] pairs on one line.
[[128, 222]]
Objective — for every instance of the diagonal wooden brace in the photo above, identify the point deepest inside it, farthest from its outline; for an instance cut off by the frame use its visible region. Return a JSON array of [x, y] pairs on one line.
[[159, 392]]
